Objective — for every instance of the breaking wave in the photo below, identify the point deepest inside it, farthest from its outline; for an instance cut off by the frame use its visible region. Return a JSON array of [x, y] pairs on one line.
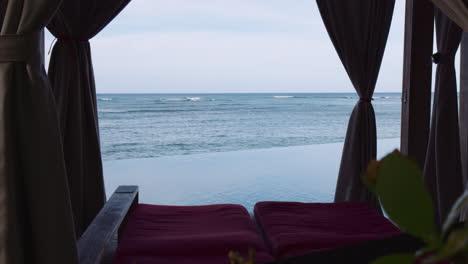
[[283, 96]]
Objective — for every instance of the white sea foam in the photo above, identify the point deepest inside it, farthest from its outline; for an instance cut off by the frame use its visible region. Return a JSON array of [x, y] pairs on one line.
[[104, 99], [283, 96], [174, 99], [182, 99], [112, 111]]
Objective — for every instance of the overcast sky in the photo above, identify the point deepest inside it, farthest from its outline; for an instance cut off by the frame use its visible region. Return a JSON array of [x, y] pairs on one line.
[[218, 46]]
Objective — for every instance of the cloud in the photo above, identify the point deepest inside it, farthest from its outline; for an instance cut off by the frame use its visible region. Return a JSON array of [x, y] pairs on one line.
[[212, 62], [185, 15], [228, 46]]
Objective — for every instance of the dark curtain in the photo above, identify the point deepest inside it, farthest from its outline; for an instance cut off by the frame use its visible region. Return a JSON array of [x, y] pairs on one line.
[[359, 31], [442, 170], [36, 225], [72, 79]]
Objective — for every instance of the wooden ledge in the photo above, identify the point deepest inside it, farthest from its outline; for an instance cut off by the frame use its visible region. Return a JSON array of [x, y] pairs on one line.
[[107, 224]]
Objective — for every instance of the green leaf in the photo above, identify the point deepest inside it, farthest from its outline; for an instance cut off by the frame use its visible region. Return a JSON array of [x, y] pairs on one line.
[[405, 198], [428, 250], [455, 212], [370, 185], [457, 242], [396, 259]]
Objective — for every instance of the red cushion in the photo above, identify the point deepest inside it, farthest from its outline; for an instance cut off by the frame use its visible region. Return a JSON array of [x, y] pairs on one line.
[[293, 229], [261, 257], [188, 234]]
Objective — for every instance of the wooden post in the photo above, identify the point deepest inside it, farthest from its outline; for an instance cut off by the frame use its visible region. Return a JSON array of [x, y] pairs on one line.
[[42, 47], [464, 104], [417, 79], [464, 111]]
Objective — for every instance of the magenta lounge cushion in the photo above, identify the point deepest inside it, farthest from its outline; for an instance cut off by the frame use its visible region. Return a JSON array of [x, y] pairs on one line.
[[188, 234], [262, 258], [292, 229]]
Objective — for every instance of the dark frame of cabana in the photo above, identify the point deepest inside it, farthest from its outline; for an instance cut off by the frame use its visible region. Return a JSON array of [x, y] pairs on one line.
[[51, 183], [98, 243]]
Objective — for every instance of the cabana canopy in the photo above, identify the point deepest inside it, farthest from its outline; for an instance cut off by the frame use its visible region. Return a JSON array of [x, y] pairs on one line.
[[51, 181], [456, 10]]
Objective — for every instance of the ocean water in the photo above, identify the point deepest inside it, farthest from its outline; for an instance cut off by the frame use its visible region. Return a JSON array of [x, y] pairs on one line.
[[157, 125]]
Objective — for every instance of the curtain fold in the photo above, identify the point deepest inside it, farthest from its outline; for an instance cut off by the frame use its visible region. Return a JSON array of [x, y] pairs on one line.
[[34, 198], [72, 78], [442, 171], [359, 31], [456, 10]]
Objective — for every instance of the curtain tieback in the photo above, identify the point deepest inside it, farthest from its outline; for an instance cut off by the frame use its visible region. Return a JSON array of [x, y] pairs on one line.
[[67, 41], [365, 100], [20, 47], [73, 39], [440, 58]]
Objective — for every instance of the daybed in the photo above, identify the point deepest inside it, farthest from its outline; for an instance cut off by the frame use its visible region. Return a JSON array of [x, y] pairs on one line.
[[126, 232], [293, 229]]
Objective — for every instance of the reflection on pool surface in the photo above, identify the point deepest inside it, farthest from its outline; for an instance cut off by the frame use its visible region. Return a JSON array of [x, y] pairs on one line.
[[304, 174]]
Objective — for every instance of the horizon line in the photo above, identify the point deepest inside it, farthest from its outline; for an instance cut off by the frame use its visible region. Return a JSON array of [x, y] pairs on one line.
[[240, 93]]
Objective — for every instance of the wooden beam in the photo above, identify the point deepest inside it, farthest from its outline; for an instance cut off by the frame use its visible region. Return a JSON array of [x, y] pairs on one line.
[[417, 79], [107, 224]]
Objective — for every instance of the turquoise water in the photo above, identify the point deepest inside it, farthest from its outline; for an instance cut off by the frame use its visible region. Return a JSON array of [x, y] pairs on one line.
[[156, 125]]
